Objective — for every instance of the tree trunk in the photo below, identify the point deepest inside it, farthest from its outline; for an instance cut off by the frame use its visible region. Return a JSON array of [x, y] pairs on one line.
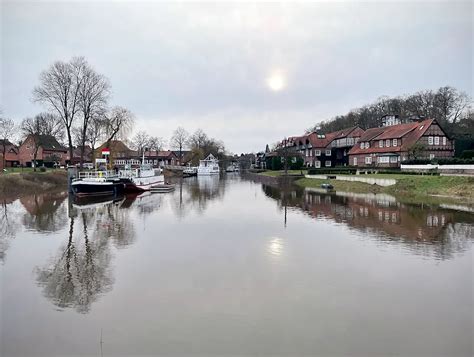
[[69, 138], [3, 155]]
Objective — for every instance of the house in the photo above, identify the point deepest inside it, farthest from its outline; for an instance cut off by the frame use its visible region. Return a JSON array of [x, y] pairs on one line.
[[326, 150], [390, 145], [162, 158], [77, 155], [11, 154], [49, 151]]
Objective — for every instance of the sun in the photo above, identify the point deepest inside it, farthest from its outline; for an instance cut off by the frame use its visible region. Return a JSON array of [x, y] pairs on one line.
[[276, 82]]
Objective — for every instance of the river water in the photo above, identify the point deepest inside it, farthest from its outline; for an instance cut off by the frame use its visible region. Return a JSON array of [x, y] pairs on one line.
[[231, 267]]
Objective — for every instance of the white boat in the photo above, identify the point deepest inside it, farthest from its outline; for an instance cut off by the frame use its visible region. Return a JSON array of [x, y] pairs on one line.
[[142, 178], [190, 171], [232, 168], [208, 166]]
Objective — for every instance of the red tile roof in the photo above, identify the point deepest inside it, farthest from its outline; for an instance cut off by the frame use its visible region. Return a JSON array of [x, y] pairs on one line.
[[409, 132]]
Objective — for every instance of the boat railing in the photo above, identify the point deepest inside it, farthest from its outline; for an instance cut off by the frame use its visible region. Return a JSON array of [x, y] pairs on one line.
[[96, 174]]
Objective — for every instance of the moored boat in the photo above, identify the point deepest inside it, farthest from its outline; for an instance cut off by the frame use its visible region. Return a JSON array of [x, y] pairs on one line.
[[97, 183], [140, 179], [208, 166]]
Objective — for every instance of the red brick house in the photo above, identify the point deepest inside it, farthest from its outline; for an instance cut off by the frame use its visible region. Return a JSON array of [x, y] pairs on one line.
[[49, 151], [11, 154], [390, 145]]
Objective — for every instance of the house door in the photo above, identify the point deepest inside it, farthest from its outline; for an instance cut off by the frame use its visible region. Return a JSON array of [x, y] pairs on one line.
[[317, 164]]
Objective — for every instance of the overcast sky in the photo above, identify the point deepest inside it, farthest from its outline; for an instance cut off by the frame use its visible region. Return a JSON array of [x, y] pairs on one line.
[[248, 74]]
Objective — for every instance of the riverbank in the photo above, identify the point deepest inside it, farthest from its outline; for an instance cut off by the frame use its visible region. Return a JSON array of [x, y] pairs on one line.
[[408, 187], [19, 184]]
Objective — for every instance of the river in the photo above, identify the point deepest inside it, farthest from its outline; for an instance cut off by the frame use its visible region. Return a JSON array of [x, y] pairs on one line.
[[231, 266]]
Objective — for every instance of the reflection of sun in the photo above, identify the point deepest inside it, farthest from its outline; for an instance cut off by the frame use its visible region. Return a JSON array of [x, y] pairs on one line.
[[276, 82], [275, 247]]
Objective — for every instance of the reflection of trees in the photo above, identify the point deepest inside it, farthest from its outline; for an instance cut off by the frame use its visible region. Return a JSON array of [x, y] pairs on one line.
[[423, 230], [45, 212], [8, 226], [81, 272], [194, 194]]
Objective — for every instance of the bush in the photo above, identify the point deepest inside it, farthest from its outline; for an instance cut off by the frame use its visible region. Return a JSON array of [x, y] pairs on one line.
[[467, 154], [332, 170], [440, 161], [42, 169]]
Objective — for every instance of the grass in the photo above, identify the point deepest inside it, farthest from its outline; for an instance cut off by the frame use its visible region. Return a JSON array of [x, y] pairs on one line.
[[282, 172], [16, 170], [17, 183]]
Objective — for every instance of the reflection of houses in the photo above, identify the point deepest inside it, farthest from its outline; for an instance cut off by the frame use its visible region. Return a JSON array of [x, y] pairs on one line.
[[424, 231], [46, 212], [11, 154], [395, 142], [49, 151]]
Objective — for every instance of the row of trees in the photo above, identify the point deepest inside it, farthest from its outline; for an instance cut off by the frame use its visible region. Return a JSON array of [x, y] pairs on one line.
[[198, 144], [450, 107], [77, 99]]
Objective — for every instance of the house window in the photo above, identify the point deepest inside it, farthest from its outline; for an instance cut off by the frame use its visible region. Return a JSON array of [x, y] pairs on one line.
[[380, 143], [362, 145], [383, 159], [436, 140], [394, 159], [368, 160], [355, 161], [394, 142], [432, 156], [387, 143], [317, 164], [328, 152], [317, 153], [306, 153], [444, 140], [327, 163], [430, 140]]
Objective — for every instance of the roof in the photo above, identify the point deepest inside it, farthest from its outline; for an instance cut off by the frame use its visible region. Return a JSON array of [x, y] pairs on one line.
[[410, 132], [49, 142], [6, 142]]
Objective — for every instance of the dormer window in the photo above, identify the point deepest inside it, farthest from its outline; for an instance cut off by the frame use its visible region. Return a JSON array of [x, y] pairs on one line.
[[387, 143], [395, 143], [380, 143], [367, 145], [362, 145]]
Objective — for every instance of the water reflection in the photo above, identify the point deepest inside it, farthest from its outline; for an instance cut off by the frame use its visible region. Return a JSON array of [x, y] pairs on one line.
[[422, 229], [44, 212]]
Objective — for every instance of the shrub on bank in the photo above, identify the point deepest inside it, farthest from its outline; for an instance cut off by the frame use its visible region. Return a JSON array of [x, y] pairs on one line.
[[333, 171]]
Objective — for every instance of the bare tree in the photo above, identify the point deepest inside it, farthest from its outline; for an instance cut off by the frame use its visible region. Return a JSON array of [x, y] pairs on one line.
[[95, 131], [179, 140], [94, 91], [141, 142], [156, 144], [59, 89], [117, 124], [198, 139], [451, 103], [7, 129]]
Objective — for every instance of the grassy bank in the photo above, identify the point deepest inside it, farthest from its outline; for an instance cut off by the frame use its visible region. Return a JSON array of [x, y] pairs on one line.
[[18, 184], [408, 187], [280, 173]]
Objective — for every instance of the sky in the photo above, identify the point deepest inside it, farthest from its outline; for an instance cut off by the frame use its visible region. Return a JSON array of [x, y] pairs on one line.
[[246, 73]]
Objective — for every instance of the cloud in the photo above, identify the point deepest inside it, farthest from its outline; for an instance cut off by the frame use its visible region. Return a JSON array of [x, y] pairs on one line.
[[187, 63]]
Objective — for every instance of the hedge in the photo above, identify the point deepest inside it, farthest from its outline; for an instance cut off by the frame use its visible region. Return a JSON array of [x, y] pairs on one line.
[[334, 170], [448, 161]]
